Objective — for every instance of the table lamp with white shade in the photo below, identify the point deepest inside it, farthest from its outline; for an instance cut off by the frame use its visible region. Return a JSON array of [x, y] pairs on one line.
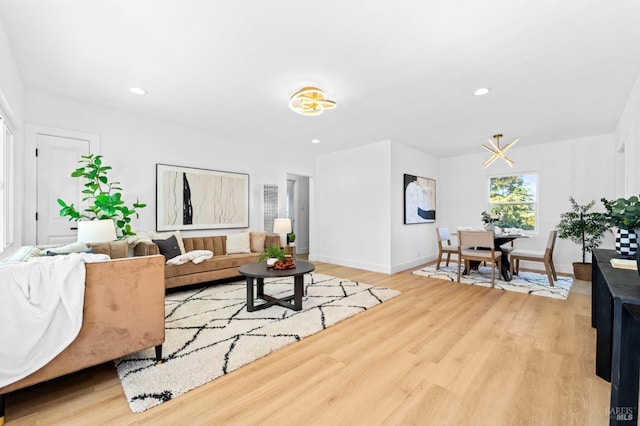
[[282, 227], [96, 231]]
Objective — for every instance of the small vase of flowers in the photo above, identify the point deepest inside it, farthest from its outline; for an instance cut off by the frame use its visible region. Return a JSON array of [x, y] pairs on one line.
[[489, 220]]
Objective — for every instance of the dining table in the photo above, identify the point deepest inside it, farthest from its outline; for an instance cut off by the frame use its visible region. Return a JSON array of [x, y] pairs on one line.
[[498, 241]]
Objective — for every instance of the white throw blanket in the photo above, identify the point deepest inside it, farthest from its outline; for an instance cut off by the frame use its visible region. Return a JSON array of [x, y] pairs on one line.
[[139, 237], [41, 305], [196, 256]]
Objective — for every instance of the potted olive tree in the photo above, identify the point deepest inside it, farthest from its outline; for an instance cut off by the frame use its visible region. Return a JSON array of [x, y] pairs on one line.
[[624, 214], [585, 228]]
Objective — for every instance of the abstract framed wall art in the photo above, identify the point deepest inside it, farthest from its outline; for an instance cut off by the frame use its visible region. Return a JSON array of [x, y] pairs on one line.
[[419, 200], [191, 198]]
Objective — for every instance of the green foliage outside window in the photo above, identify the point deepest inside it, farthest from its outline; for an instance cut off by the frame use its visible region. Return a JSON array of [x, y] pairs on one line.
[[514, 198]]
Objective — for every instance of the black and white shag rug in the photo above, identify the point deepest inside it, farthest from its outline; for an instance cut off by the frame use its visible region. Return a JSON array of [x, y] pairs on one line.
[[209, 332], [526, 282]]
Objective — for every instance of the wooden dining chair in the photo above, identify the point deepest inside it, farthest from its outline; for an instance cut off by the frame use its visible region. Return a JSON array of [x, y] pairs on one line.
[[545, 257], [479, 246], [445, 246]]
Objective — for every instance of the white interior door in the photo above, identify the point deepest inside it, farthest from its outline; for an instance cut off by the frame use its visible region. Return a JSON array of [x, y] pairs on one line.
[[56, 158]]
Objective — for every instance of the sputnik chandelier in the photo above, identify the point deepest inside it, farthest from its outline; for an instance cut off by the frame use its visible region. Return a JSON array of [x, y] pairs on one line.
[[310, 101], [498, 152]]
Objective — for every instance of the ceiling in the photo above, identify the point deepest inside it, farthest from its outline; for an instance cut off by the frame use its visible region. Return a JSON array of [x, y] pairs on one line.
[[400, 70]]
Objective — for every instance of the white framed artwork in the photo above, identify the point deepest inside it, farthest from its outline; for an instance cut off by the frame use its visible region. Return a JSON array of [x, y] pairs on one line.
[[190, 198]]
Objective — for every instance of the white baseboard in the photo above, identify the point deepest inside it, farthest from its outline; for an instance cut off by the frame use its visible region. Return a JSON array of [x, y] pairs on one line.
[[385, 269]]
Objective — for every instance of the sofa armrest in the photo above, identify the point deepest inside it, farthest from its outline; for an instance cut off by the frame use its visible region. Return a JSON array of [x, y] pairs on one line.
[[123, 313], [145, 249]]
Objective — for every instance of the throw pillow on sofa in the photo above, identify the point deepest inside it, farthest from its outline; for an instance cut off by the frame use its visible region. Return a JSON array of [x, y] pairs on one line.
[[166, 235], [149, 236], [257, 240], [32, 252], [169, 248], [238, 243]]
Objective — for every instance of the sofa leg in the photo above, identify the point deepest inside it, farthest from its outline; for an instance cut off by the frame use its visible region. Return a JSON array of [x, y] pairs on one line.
[[158, 357], [3, 401]]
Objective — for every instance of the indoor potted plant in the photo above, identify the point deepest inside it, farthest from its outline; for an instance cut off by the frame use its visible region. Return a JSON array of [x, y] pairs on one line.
[[272, 254], [585, 228], [104, 197], [624, 214]]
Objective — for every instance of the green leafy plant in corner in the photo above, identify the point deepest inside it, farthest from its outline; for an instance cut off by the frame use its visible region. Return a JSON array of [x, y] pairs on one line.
[[104, 197], [583, 226], [272, 251]]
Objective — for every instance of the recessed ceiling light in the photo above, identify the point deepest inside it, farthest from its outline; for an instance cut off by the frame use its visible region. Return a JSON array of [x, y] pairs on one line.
[[138, 91], [481, 91], [315, 140]]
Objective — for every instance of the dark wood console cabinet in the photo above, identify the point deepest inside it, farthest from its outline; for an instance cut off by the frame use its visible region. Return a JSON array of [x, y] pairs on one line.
[[616, 317]]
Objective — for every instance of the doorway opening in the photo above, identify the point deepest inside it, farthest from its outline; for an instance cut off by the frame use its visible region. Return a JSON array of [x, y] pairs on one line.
[[297, 209]]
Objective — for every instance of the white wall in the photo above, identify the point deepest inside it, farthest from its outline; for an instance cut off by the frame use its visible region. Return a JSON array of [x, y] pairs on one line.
[[132, 145], [11, 85], [352, 209], [359, 208], [412, 245], [12, 106], [583, 168], [628, 138]]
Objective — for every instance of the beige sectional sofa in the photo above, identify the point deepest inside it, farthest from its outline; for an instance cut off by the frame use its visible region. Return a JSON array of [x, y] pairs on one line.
[[123, 312], [222, 265]]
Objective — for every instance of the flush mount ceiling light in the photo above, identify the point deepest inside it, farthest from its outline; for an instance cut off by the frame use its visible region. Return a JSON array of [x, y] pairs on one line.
[[310, 101], [498, 152], [481, 91], [138, 91]]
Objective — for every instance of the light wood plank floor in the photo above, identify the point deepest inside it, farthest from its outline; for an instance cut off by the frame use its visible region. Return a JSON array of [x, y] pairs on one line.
[[439, 354]]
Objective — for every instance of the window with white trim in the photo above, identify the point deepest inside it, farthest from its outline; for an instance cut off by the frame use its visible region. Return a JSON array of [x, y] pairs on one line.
[[515, 199]]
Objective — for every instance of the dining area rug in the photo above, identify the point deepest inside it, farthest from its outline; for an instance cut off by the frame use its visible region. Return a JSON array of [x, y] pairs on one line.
[[209, 332], [527, 282]]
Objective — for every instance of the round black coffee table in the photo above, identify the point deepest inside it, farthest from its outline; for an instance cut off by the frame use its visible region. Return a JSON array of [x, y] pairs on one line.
[[259, 271]]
